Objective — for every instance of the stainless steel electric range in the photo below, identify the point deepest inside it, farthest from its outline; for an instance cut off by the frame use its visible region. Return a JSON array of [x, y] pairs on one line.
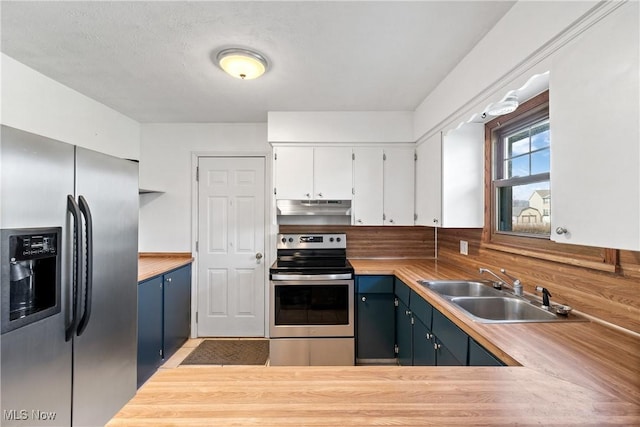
[[312, 301]]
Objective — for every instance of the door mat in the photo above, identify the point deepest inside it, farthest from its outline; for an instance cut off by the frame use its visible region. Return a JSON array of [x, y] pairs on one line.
[[229, 352]]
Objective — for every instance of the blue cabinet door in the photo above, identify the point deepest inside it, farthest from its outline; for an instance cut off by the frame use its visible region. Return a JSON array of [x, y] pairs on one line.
[[375, 325], [404, 334], [479, 356], [149, 328], [424, 354], [177, 309]]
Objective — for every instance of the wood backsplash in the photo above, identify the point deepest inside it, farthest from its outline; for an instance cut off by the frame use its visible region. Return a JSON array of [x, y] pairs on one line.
[[613, 297], [377, 242]]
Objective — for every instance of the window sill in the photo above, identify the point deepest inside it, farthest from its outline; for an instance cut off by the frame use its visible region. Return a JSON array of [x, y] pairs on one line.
[[563, 259]]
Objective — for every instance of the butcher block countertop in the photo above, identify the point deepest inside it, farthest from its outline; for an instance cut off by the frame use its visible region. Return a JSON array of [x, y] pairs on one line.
[[559, 374], [151, 264]]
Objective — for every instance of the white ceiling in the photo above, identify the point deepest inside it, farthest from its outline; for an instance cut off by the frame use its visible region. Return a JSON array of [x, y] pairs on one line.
[[152, 61]]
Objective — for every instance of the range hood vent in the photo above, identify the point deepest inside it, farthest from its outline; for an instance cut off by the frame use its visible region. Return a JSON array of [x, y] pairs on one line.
[[314, 207]]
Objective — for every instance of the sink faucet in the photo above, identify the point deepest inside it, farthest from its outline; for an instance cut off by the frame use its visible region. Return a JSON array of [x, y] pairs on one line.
[[517, 285]]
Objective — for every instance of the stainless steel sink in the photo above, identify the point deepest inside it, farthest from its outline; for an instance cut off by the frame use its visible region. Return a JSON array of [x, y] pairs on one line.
[[504, 310], [459, 288]]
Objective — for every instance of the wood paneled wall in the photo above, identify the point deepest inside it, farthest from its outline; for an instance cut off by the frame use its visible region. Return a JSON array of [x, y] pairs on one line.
[[613, 297], [378, 242]]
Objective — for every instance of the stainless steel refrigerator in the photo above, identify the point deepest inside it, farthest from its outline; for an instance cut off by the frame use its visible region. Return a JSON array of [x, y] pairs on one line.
[[68, 299]]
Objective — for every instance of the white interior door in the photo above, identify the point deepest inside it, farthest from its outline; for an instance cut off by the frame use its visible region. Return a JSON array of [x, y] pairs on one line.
[[231, 236]]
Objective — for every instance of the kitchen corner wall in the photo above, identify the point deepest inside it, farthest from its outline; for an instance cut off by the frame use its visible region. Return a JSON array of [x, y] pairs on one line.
[[35, 103], [612, 297], [166, 167]]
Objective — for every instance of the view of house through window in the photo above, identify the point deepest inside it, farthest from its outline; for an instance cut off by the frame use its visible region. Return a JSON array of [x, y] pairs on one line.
[[521, 177]]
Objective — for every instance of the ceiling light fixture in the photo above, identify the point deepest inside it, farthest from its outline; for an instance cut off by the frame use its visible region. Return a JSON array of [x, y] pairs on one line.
[[506, 106], [242, 64]]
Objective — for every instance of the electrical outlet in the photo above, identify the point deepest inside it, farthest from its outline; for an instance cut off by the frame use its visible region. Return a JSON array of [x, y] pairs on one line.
[[464, 247]]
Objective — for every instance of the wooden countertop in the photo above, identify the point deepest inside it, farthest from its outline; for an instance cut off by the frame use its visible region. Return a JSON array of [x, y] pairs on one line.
[[560, 374], [156, 263]]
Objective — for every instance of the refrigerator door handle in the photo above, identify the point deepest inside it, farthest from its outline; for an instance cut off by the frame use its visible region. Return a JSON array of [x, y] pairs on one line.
[[84, 209], [73, 208]]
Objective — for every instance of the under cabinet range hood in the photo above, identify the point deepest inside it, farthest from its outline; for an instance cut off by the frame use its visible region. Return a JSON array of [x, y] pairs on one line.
[[314, 211]]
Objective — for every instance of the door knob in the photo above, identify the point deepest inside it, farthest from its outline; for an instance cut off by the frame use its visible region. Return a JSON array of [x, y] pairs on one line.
[[258, 255], [561, 230], [364, 299]]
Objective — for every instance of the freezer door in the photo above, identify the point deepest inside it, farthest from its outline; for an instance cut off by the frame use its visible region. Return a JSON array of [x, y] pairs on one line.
[[36, 176], [105, 352]]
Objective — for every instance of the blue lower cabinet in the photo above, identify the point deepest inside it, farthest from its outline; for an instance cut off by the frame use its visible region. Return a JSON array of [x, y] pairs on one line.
[[424, 353], [375, 323], [479, 356], [149, 328], [164, 318]]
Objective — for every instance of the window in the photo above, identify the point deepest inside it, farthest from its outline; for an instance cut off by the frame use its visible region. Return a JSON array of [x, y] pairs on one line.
[[521, 175]]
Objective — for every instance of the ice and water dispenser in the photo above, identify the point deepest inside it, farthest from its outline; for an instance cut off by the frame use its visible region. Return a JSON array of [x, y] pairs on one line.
[[30, 272]]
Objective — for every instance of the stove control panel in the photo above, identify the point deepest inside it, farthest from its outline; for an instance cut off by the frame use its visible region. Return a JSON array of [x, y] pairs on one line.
[[312, 241]]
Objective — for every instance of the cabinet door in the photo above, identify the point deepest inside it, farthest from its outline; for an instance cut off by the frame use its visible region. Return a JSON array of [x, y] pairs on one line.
[[479, 356], [367, 184], [375, 335], [452, 338], [399, 181], [149, 328], [333, 173], [294, 173], [445, 357], [404, 334], [463, 177], [594, 108], [429, 182], [177, 309], [424, 354]]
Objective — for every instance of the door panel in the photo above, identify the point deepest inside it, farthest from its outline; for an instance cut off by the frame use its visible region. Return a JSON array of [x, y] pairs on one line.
[[231, 276], [36, 360], [105, 353]]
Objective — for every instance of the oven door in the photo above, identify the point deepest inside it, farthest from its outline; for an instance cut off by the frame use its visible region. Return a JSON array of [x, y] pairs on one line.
[[311, 308]]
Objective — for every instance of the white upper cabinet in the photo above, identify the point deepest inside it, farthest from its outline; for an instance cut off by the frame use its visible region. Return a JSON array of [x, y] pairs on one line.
[[594, 114], [383, 185], [429, 181], [315, 173], [398, 186], [368, 173], [450, 179]]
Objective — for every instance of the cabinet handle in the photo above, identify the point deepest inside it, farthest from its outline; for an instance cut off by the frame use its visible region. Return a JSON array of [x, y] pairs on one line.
[[364, 299], [319, 194], [435, 220], [168, 279], [391, 221], [561, 230], [359, 221], [308, 195], [428, 336], [436, 346], [407, 312]]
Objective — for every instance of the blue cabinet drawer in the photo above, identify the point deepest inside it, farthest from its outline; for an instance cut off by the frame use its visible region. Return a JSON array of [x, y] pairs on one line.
[[402, 291], [374, 284], [421, 309], [454, 338]]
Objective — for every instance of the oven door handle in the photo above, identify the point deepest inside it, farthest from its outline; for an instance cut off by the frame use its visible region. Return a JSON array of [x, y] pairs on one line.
[[312, 277]]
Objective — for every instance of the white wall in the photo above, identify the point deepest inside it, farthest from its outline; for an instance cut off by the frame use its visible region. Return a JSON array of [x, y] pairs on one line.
[[166, 165], [495, 64], [340, 126], [37, 104]]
